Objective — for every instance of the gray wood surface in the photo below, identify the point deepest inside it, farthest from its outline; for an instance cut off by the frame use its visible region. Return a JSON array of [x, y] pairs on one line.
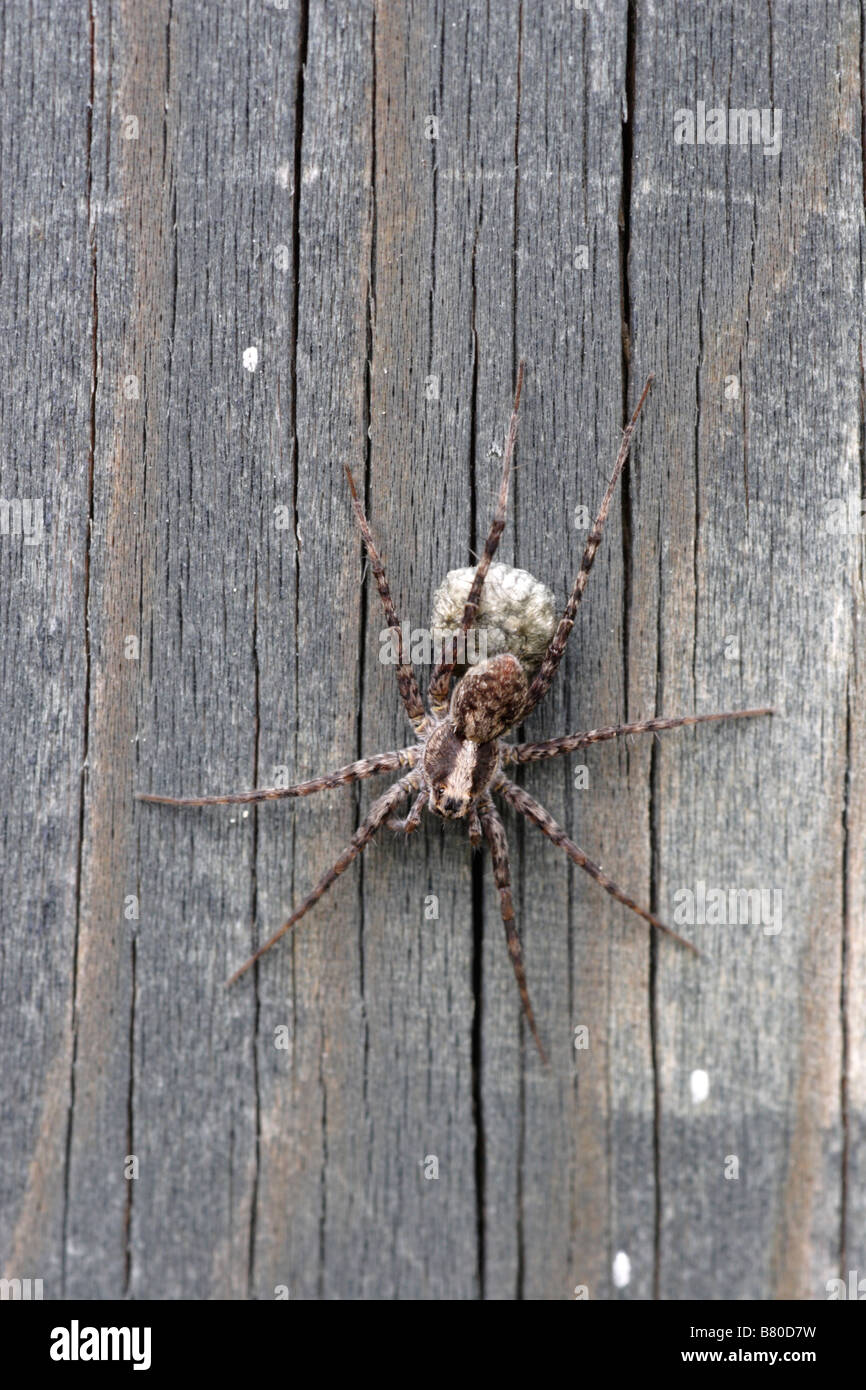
[[181, 183]]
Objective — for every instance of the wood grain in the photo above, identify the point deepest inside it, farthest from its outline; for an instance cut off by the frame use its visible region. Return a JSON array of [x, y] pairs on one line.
[[241, 248]]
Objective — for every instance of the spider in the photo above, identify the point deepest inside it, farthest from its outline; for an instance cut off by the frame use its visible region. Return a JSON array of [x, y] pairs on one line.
[[459, 759]]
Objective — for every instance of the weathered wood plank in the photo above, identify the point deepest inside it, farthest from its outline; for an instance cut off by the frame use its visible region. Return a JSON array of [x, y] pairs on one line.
[[275, 180], [45, 311], [587, 1182], [740, 264], [312, 1227], [418, 969], [177, 518]]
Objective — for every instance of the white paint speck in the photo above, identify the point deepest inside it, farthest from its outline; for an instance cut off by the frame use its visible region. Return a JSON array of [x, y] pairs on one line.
[[251, 358], [700, 1084], [621, 1269]]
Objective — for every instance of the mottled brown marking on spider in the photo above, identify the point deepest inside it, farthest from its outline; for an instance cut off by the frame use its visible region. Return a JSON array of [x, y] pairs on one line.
[[456, 763], [489, 698], [457, 770]]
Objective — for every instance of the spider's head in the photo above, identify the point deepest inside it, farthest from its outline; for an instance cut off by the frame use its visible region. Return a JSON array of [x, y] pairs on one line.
[[461, 755], [457, 770]]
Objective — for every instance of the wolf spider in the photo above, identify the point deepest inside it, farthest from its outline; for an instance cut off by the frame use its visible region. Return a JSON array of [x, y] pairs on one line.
[[458, 761]]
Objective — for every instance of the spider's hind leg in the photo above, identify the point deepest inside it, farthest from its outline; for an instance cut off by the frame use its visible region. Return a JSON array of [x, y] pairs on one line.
[[406, 682], [440, 681], [552, 657]]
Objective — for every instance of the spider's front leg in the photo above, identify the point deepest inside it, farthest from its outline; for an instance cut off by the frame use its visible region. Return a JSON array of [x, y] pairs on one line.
[[375, 818], [352, 772], [535, 812], [568, 743], [494, 832], [410, 823]]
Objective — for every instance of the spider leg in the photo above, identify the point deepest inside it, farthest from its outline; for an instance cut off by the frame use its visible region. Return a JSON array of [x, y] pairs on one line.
[[440, 680], [406, 682], [529, 807], [533, 752], [494, 832], [552, 657], [352, 772], [376, 816], [413, 820], [476, 835]]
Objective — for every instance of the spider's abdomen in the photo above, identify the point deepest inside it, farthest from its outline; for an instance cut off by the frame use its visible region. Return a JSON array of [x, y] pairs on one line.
[[489, 698]]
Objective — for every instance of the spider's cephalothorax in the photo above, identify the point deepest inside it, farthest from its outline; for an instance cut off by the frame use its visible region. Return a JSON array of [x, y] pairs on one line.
[[456, 770], [457, 763], [461, 753]]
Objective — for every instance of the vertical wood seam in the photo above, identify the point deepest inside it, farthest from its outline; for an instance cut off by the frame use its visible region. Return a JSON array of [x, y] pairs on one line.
[[94, 373], [843, 990], [521, 1135]]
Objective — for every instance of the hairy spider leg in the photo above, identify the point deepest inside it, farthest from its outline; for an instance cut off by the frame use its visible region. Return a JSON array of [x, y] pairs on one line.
[[440, 681], [352, 772], [535, 812], [411, 822], [406, 682], [375, 818], [552, 657], [494, 832], [553, 747]]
